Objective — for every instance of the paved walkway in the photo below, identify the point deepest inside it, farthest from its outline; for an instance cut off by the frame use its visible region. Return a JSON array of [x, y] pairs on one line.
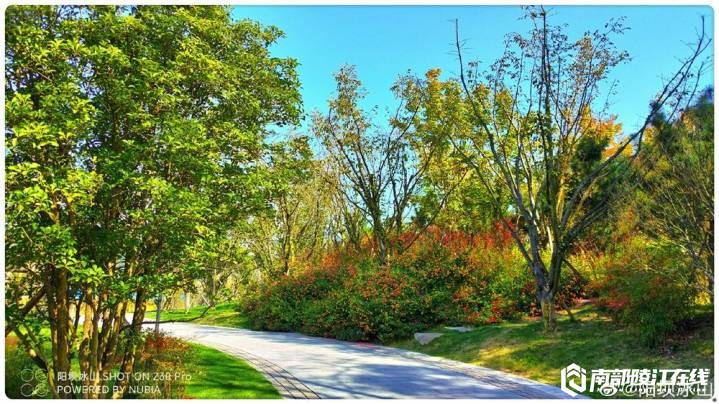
[[310, 367]]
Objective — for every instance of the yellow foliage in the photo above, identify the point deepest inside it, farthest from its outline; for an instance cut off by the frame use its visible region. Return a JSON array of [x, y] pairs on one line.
[[614, 145]]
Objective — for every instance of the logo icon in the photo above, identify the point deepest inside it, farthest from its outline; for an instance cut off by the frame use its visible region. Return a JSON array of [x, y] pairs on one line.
[[574, 379], [34, 384]]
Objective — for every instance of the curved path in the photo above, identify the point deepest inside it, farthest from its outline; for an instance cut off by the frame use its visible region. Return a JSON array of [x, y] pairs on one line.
[[311, 367]]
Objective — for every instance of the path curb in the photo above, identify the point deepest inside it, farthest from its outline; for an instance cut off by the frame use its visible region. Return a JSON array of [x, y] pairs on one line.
[[286, 384]]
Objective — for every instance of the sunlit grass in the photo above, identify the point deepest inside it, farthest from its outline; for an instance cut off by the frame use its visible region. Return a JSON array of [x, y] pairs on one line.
[[594, 342], [215, 374], [223, 315]]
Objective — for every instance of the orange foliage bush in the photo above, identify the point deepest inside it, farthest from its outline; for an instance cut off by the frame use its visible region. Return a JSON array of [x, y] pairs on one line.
[[441, 277]]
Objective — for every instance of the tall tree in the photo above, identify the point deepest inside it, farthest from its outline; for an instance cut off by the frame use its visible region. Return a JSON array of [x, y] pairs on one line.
[[134, 134], [380, 167], [676, 198], [451, 197], [529, 113], [300, 226]]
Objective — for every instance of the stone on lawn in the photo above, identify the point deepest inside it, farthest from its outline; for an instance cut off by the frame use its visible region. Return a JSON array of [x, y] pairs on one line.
[[425, 338]]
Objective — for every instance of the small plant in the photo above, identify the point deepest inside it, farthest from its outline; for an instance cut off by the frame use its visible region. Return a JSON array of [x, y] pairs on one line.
[[163, 358]]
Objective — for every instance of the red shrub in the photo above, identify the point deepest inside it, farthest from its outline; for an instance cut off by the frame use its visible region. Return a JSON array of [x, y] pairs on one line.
[[443, 277]]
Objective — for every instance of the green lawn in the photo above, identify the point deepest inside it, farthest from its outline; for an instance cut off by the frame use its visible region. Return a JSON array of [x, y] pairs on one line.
[[222, 314], [216, 374], [523, 348], [213, 374]]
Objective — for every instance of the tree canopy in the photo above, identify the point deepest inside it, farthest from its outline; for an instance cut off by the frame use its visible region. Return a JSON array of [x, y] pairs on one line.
[[134, 134]]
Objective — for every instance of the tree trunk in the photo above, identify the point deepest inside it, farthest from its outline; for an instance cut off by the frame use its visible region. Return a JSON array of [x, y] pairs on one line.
[[213, 287], [58, 375], [130, 354], [158, 302], [382, 247], [380, 238], [288, 254], [86, 351], [549, 315]]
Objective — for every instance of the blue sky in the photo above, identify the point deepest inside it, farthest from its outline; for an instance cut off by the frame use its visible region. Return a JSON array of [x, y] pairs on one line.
[[386, 41]]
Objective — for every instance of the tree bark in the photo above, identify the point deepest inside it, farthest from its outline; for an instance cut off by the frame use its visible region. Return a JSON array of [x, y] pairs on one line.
[[158, 312], [549, 317], [128, 361], [58, 375]]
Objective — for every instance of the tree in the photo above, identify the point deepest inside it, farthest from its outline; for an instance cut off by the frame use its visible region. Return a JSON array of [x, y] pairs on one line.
[[380, 168], [528, 115], [134, 134], [300, 226], [450, 196], [676, 193]]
